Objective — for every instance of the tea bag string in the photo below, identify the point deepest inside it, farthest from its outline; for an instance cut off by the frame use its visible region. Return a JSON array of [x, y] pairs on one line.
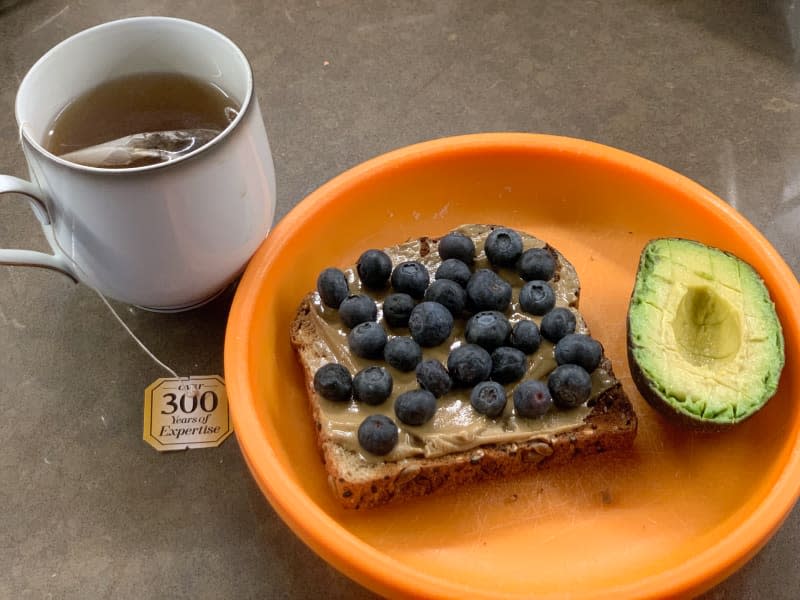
[[133, 335], [139, 342]]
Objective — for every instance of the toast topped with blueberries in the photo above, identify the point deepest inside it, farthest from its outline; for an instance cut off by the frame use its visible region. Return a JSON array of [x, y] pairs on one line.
[[441, 362]]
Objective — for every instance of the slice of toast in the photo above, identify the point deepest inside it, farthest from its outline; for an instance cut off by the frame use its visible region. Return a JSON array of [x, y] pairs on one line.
[[459, 446]]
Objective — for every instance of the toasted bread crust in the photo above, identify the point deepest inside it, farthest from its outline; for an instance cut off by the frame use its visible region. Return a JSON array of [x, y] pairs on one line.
[[610, 425]]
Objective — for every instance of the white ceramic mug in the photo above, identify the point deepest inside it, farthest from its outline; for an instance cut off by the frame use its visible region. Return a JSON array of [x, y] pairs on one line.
[[168, 236]]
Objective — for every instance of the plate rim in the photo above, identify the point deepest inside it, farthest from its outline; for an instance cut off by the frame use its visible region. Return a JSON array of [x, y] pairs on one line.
[[364, 563]]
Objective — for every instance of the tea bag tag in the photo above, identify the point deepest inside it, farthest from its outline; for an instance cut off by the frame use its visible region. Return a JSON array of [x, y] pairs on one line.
[[182, 413]]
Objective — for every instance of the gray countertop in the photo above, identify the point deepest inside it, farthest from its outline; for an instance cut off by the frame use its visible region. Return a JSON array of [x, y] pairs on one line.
[[89, 510]]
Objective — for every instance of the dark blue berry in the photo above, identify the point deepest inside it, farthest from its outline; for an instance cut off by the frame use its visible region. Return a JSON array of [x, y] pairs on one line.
[[449, 294], [372, 385], [488, 329], [486, 290], [332, 287], [374, 268], [432, 376], [536, 263], [537, 297], [402, 353], [503, 247], [557, 323], [525, 336], [457, 245], [454, 270], [333, 381], [468, 365], [532, 399], [357, 309], [570, 386], [410, 277], [430, 324], [415, 407], [378, 435], [579, 349], [508, 364], [488, 398], [397, 308], [367, 340]]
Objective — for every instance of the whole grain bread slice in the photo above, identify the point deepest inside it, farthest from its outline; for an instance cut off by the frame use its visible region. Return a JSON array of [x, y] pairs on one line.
[[608, 421]]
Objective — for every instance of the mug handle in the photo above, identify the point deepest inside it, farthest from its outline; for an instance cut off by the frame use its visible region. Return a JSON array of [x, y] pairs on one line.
[[30, 258]]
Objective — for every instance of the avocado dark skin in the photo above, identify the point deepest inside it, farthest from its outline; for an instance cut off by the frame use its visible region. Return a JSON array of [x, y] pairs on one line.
[[704, 343]]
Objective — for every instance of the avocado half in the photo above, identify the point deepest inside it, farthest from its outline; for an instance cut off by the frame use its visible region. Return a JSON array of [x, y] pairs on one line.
[[704, 341]]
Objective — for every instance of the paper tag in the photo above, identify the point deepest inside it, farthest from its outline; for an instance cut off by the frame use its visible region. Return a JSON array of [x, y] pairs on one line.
[[186, 412]]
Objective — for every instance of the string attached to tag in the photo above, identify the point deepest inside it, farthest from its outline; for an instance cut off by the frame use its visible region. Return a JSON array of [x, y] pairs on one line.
[[136, 339], [181, 413]]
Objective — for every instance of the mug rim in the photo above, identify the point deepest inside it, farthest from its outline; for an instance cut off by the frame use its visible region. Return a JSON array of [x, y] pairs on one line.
[[247, 101]]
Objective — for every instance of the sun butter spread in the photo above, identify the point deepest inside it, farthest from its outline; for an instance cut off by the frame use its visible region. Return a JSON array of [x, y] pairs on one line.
[[456, 426]]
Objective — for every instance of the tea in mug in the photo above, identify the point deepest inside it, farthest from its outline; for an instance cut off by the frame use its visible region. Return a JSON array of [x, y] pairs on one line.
[[139, 103]]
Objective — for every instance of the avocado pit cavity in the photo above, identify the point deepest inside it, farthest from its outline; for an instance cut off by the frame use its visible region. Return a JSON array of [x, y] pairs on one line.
[[707, 327]]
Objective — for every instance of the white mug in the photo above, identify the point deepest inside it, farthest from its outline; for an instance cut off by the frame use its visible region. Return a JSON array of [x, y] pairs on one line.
[[168, 236]]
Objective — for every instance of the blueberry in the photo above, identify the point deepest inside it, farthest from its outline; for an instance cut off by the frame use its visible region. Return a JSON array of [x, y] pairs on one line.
[[397, 308], [333, 381], [332, 287], [468, 365], [557, 323], [367, 340], [430, 324], [525, 336], [402, 353], [432, 376], [486, 290], [536, 263], [537, 297], [449, 294], [454, 270], [357, 309], [570, 385], [508, 364], [372, 385], [503, 247], [378, 434], [457, 245], [488, 329], [374, 268], [410, 277], [532, 399], [488, 398], [415, 407], [579, 349]]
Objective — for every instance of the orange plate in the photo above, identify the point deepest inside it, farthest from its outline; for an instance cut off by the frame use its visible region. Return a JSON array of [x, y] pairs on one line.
[[674, 517]]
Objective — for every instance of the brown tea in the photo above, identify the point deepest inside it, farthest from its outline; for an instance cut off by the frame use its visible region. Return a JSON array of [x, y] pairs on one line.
[[139, 103]]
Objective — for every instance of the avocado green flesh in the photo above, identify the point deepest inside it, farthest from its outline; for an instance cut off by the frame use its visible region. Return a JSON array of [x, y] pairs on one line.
[[704, 332]]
